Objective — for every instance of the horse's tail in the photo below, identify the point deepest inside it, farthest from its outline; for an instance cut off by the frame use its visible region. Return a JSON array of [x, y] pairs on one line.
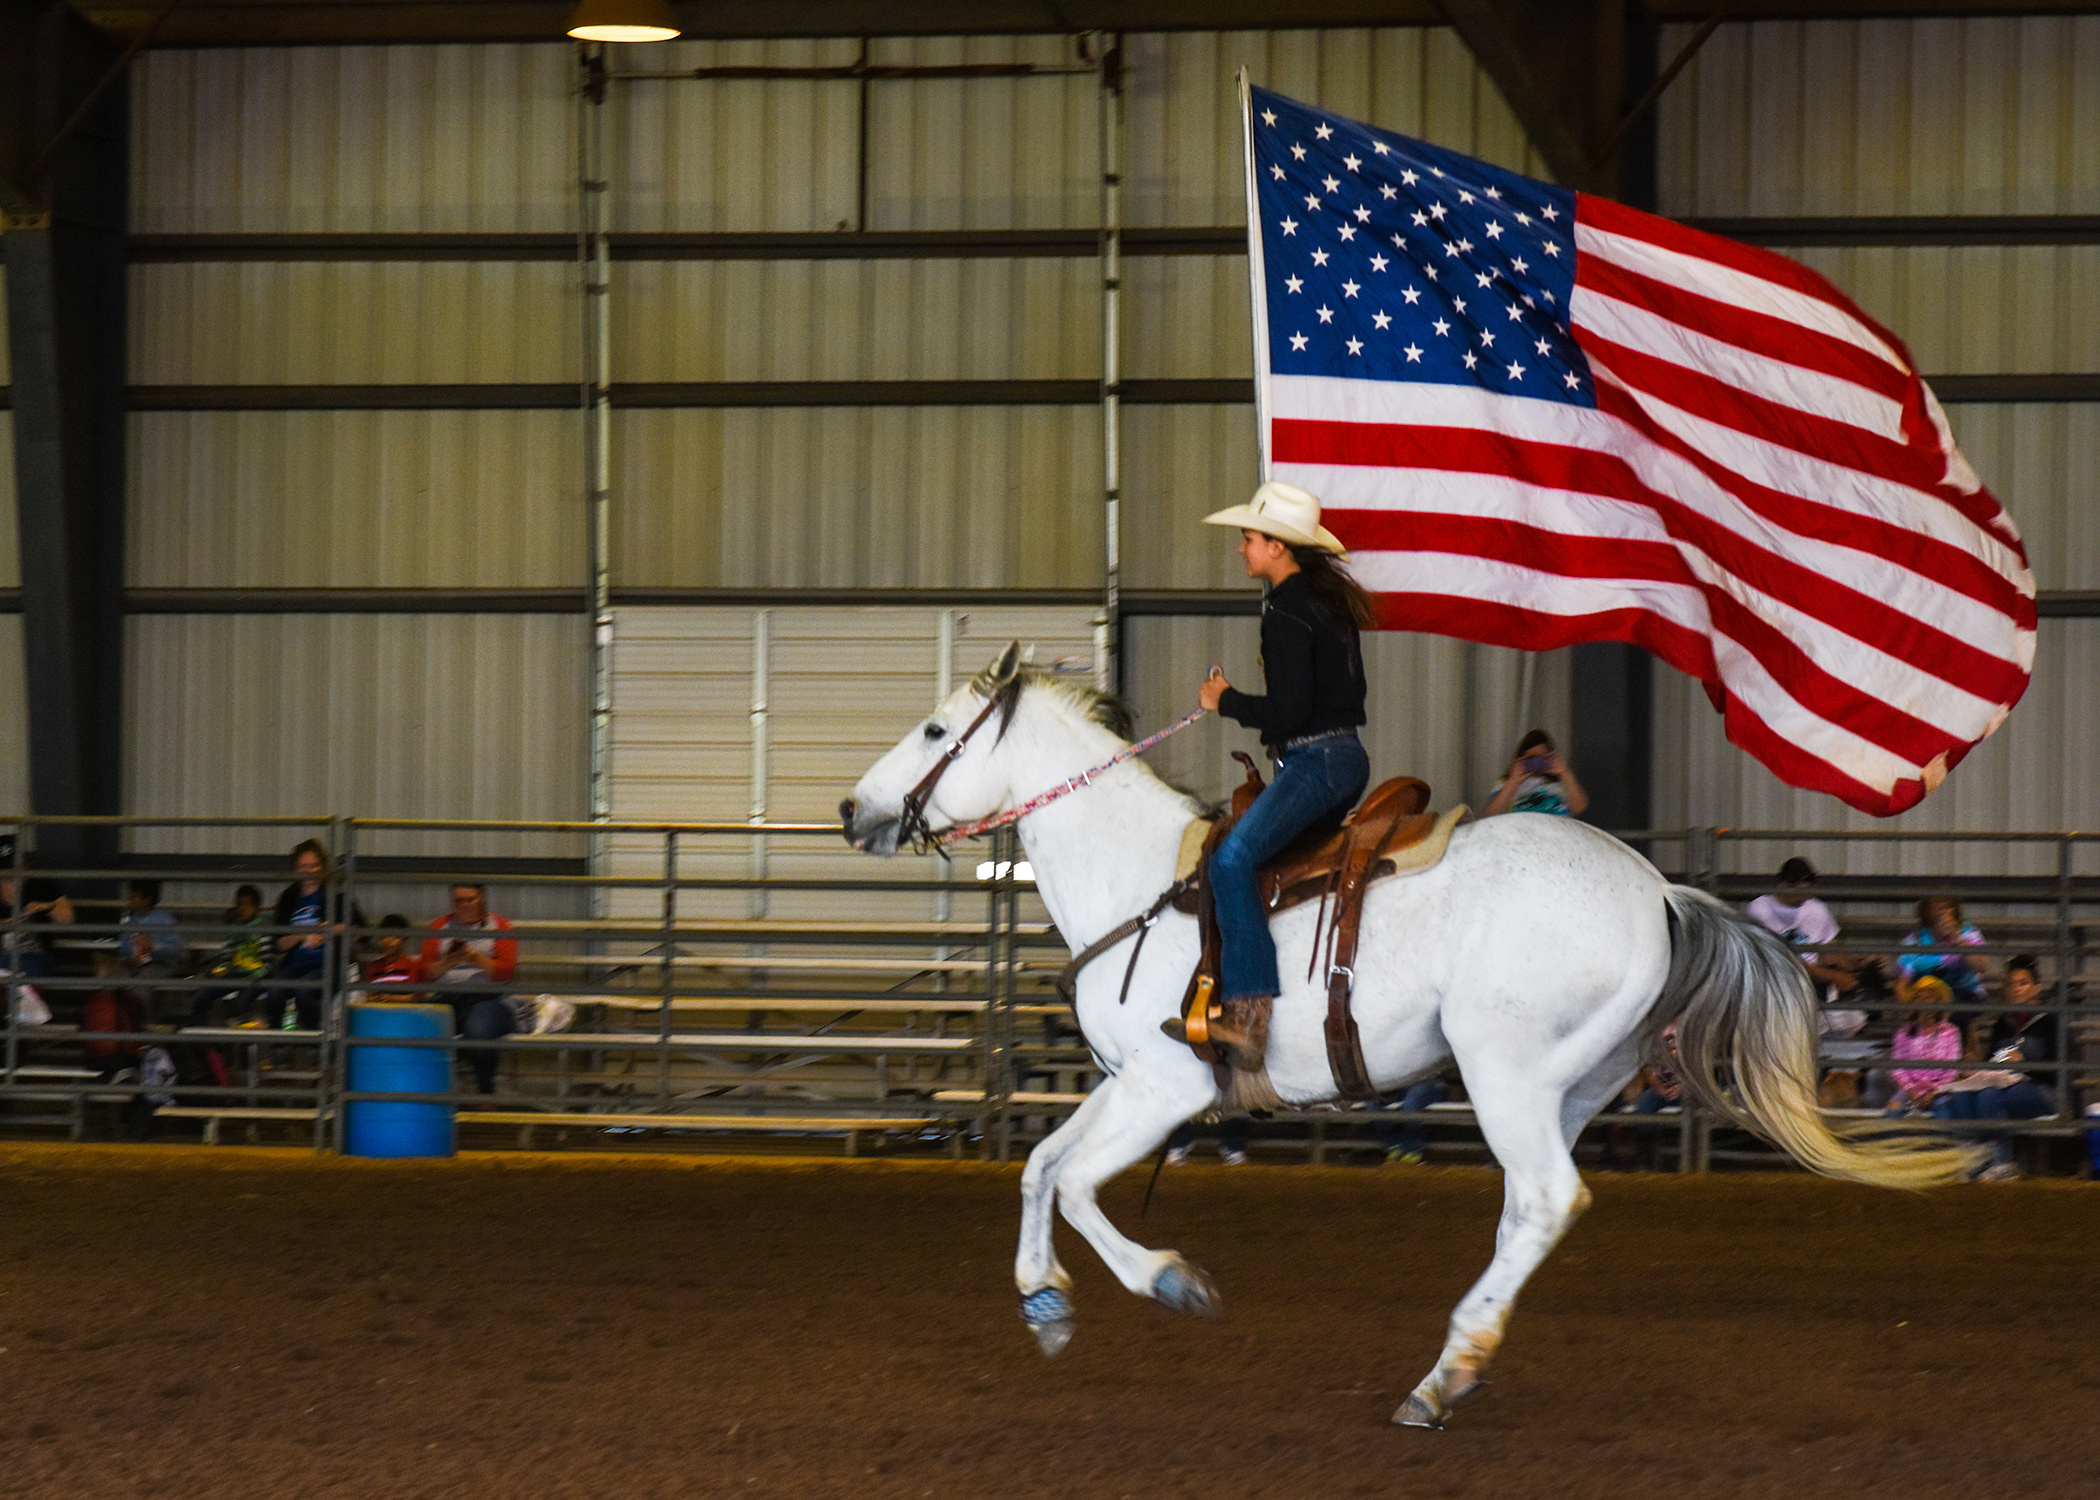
[[1746, 1038]]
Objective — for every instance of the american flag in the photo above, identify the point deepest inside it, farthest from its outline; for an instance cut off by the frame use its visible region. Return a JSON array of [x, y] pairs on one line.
[[1539, 417]]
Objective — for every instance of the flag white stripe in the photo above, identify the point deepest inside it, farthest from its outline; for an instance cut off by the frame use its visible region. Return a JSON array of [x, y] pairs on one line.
[[1385, 403], [1760, 375], [1493, 582], [1774, 466], [1904, 685], [1705, 278]]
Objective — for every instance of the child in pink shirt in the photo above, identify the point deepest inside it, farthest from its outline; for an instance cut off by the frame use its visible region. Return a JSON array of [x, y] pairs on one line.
[[1926, 1034]]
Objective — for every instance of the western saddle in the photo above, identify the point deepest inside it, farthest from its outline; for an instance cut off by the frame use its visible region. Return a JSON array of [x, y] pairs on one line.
[[1330, 866]]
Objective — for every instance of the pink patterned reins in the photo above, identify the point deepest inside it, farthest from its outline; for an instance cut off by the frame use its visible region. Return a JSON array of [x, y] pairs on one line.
[[1069, 785]]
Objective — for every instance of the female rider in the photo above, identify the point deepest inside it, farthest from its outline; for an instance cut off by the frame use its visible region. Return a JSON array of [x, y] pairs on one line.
[[1313, 665]]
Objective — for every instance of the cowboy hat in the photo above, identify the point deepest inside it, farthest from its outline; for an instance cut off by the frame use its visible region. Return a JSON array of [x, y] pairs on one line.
[[1284, 512]]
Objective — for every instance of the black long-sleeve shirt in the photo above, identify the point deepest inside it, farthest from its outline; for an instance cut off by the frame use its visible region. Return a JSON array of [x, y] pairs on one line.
[[1313, 665]]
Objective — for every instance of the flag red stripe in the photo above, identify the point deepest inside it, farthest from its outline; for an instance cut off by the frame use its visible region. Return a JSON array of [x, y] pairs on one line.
[[1702, 395], [1747, 329], [1530, 630], [1920, 553], [1616, 218], [1811, 685], [1469, 450]]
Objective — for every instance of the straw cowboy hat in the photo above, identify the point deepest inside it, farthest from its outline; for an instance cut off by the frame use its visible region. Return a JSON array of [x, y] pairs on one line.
[[1285, 512]]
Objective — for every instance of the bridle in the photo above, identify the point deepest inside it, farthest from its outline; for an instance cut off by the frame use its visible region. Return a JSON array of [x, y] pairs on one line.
[[911, 813]]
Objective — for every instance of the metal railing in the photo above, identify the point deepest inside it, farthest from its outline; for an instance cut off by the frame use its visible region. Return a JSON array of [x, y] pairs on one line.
[[705, 1003]]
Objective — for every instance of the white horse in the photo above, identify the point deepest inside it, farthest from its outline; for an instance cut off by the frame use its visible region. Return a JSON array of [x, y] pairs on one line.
[[1541, 956]]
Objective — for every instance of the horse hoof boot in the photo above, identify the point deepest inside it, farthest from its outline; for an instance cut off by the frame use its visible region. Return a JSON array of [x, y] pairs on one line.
[[1184, 1288], [1048, 1314], [1415, 1412]]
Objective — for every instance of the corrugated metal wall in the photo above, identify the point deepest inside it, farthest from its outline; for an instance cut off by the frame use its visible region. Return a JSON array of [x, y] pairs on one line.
[[356, 499], [1982, 116], [474, 716], [1990, 115], [390, 716], [353, 139]]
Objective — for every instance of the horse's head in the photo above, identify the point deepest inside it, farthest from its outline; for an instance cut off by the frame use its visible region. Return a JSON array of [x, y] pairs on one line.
[[944, 771]]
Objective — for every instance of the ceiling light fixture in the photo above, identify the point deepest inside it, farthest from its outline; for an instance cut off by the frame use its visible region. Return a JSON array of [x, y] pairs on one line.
[[623, 21]]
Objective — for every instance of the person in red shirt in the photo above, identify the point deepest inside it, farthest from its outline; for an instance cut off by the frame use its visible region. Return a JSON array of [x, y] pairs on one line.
[[394, 964], [465, 949]]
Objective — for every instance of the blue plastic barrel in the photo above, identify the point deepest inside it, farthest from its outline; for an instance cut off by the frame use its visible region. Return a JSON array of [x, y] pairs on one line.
[[383, 1128]]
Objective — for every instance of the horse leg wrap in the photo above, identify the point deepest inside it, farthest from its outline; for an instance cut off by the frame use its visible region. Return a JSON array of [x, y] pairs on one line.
[[1048, 1313], [1184, 1288]]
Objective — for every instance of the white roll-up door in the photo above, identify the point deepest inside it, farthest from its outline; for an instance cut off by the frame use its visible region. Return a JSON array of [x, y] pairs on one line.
[[749, 715]]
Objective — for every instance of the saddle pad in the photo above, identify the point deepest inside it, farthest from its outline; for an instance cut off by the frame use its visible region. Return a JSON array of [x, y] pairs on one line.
[[1191, 853], [1430, 847]]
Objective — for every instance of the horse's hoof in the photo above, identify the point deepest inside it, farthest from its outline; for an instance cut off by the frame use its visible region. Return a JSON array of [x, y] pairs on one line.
[[1415, 1412], [1048, 1313], [1185, 1288]]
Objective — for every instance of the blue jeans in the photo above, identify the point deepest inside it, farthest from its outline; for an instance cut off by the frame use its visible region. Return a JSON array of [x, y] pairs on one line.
[[1315, 784], [483, 1018], [2021, 1101], [1413, 1139], [301, 962]]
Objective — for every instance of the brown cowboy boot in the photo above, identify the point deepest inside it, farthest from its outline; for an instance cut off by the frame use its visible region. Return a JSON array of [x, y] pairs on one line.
[[1240, 1032]]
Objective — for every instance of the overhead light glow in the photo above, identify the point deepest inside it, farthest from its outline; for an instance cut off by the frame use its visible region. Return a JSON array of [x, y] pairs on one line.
[[623, 21]]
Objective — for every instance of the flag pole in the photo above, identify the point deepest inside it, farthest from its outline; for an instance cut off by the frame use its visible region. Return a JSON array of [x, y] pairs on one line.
[[1258, 299]]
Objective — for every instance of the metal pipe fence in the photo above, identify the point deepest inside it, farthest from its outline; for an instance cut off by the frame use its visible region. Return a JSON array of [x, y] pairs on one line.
[[673, 993]]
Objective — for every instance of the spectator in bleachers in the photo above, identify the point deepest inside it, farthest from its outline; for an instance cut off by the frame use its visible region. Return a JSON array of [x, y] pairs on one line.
[[1926, 1034], [1654, 1089], [464, 949], [1538, 780], [304, 903], [238, 966], [1792, 910], [2001, 1092], [148, 945], [43, 903], [394, 964], [1940, 925], [1407, 1145]]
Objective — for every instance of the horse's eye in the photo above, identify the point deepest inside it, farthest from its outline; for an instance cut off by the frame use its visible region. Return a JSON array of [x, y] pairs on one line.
[[935, 731]]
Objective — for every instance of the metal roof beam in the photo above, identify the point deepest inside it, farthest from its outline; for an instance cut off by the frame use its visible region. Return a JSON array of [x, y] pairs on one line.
[[238, 23], [1561, 65]]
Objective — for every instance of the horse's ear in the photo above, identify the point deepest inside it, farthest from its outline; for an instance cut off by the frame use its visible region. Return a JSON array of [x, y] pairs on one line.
[[1008, 665]]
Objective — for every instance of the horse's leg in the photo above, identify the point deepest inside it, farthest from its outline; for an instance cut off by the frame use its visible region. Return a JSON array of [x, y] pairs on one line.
[[1135, 1118], [1541, 1196], [1046, 1303]]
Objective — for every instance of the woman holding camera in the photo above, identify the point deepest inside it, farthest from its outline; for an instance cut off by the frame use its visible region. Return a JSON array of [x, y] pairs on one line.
[[1539, 781]]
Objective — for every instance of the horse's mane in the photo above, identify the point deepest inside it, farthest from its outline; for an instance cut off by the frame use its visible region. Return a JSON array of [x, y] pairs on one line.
[[1104, 709]]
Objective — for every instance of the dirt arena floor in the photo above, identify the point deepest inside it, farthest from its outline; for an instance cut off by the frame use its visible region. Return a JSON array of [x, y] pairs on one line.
[[187, 1321]]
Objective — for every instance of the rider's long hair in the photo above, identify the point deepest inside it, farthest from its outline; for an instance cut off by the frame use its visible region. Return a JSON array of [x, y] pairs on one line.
[[1335, 587]]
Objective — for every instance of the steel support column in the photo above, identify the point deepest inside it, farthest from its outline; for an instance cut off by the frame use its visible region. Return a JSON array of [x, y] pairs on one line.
[[594, 269], [65, 249], [1611, 728]]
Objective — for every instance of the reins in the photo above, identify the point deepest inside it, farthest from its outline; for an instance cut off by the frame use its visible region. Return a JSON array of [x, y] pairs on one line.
[[911, 813], [1064, 788]]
